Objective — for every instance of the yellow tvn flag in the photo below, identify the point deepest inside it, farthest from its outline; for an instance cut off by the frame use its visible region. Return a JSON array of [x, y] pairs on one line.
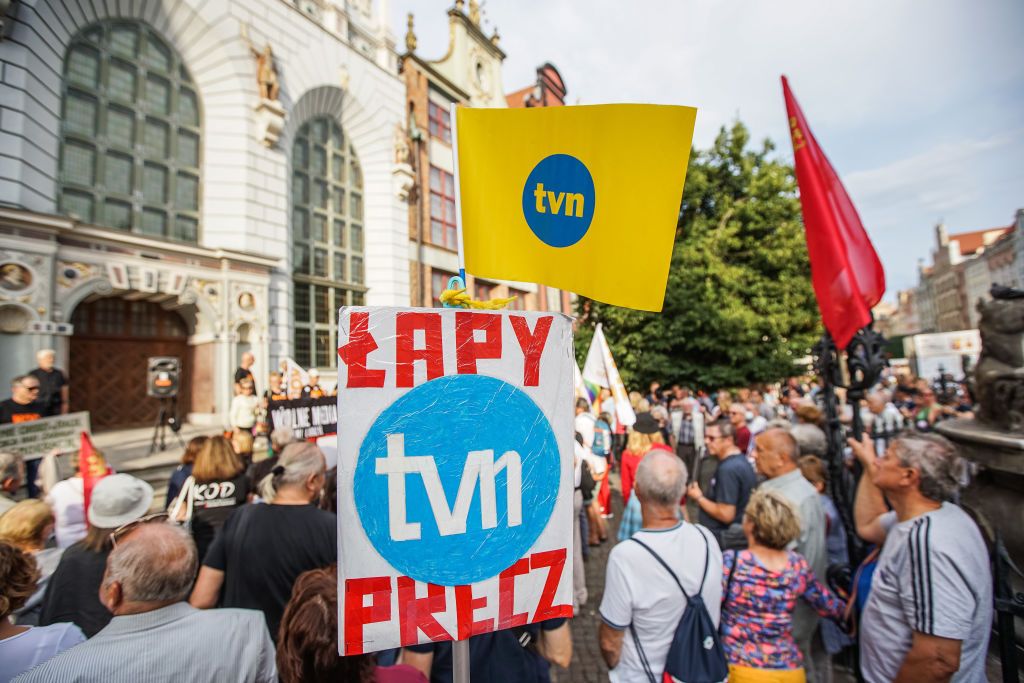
[[582, 198]]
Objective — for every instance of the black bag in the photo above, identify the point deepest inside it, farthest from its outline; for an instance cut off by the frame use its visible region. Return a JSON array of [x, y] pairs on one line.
[[587, 483], [696, 654]]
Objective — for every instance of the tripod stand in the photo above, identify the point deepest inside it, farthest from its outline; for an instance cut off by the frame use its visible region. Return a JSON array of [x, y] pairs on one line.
[[168, 415]]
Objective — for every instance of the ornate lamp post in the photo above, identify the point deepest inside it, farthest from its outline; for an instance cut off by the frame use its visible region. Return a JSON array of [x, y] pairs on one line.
[[865, 360]]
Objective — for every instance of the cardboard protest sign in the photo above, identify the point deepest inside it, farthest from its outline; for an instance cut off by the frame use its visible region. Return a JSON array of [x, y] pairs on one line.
[[308, 418], [37, 438], [454, 474]]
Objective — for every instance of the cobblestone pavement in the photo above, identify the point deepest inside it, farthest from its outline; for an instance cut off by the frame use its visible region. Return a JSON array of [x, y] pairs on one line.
[[587, 665]]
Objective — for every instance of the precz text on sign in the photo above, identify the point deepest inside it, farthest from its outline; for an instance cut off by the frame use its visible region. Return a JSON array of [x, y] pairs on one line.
[[388, 353]]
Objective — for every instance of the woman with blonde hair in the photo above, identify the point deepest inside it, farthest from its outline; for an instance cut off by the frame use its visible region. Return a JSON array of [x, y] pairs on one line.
[[643, 436], [760, 588], [217, 486], [27, 526]]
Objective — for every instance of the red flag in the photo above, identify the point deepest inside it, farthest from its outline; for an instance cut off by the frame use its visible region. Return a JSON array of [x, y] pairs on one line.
[[92, 467], [847, 275]]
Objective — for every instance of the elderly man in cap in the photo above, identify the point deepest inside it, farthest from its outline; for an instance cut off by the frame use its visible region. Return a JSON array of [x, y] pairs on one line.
[[155, 634], [929, 613]]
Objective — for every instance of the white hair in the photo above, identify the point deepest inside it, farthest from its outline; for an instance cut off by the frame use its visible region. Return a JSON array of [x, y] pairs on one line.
[[154, 563], [10, 466], [46, 352], [661, 478], [297, 463]]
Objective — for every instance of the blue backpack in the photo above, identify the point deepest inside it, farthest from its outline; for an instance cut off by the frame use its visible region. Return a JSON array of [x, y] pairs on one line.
[[696, 654], [601, 431]]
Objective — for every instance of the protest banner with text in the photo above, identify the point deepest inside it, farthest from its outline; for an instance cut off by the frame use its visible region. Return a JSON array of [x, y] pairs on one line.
[[308, 418], [37, 438], [456, 459]]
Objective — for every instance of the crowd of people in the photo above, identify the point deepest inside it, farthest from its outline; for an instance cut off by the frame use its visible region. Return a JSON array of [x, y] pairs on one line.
[[749, 468], [725, 521]]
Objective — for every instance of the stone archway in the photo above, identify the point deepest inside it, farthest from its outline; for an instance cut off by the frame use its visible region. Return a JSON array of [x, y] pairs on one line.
[[113, 340]]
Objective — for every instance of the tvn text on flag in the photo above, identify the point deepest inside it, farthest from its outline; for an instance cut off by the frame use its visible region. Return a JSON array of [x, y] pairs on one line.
[[581, 198]]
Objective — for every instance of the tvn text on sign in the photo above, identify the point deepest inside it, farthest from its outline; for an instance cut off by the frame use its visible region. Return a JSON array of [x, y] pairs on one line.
[[457, 464]]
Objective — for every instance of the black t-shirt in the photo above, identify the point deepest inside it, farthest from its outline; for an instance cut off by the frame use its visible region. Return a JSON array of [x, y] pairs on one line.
[[11, 411], [73, 593], [213, 503], [50, 384], [241, 373], [270, 395], [733, 482], [263, 548], [496, 657]]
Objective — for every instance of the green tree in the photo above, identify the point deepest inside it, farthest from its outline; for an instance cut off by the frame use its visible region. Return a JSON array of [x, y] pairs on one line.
[[739, 307]]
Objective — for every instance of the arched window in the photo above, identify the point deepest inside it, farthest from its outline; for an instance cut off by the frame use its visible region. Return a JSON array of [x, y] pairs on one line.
[[327, 237], [130, 152]]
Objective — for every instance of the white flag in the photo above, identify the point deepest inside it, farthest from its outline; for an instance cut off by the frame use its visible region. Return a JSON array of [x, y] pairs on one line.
[[581, 388], [600, 369], [294, 378]]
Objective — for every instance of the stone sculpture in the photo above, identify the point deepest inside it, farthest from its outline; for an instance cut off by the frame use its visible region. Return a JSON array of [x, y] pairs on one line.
[[998, 382]]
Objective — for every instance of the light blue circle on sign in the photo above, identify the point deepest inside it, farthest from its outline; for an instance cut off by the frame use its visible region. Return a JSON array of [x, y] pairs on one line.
[[558, 200], [445, 420]]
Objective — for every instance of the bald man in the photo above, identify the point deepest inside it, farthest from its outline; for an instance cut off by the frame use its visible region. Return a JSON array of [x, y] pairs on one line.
[[776, 457], [155, 633], [53, 384], [244, 371]]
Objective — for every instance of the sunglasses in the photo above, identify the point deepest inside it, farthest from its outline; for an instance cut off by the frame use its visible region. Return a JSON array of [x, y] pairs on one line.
[[125, 529]]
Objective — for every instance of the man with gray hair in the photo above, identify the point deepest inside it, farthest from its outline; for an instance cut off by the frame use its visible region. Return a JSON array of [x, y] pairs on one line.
[[53, 383], [12, 471], [929, 613], [639, 593], [155, 634]]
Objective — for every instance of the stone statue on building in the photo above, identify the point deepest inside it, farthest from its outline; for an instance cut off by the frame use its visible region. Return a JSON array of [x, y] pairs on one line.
[[410, 36], [266, 70], [402, 149], [266, 73], [998, 382]]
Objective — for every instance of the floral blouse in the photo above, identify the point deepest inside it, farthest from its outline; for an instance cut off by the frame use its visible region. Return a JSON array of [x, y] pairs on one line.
[[757, 609]]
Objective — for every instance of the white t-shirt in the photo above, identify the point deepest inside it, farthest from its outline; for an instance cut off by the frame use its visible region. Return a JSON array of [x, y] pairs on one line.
[[27, 650], [67, 498], [933, 577], [639, 591], [584, 424]]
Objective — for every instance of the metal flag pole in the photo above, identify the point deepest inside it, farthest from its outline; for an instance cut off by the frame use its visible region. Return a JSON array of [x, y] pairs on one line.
[[460, 648], [458, 195]]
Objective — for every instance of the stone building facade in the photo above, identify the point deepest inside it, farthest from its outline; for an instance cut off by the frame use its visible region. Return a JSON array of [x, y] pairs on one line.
[[468, 74], [195, 179]]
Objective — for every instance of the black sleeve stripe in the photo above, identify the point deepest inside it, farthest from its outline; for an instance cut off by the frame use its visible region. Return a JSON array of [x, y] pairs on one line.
[[913, 577], [928, 577], [921, 576]]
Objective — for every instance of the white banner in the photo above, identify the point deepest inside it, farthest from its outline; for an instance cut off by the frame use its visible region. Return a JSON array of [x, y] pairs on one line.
[[600, 369], [434, 404], [37, 438]]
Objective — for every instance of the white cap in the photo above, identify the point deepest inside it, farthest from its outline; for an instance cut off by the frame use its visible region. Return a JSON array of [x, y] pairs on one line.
[[118, 499]]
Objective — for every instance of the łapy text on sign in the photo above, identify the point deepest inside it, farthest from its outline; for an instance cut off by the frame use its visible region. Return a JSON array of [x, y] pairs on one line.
[[454, 473]]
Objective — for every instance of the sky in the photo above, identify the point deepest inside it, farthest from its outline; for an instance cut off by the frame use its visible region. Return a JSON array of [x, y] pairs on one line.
[[918, 104]]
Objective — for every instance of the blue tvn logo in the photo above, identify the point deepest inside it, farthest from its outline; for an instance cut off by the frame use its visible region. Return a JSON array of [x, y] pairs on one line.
[[558, 200]]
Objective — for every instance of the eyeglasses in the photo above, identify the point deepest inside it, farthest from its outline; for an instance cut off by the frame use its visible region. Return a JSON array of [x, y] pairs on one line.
[[125, 529], [32, 388]]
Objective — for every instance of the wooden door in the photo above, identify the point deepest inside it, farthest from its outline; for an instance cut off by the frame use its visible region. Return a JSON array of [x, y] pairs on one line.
[[111, 345]]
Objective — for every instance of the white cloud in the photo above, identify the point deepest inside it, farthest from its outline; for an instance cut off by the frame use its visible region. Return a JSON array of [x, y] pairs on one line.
[[938, 180]]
